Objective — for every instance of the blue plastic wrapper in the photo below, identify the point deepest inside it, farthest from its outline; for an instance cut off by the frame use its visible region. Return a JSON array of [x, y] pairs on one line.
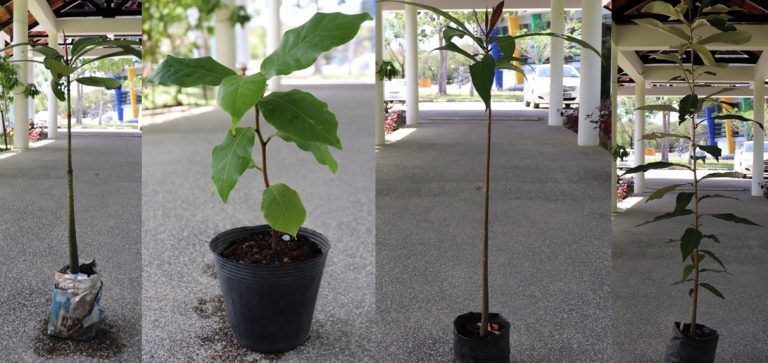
[[75, 311]]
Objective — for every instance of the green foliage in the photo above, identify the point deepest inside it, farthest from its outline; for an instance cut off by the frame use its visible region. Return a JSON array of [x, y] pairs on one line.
[[387, 70], [299, 117]]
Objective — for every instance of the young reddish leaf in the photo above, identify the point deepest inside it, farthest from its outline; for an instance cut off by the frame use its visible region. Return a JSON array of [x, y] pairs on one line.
[[496, 15]]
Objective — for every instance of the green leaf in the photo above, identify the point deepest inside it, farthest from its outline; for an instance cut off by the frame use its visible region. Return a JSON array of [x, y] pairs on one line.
[[661, 8], [713, 150], [717, 8], [706, 55], [80, 45], [662, 108], [667, 216], [718, 92], [690, 241], [680, 282], [682, 200], [729, 217], [57, 88], [447, 16], [282, 209], [661, 135], [712, 289], [712, 237], [737, 37], [46, 51], [713, 257], [482, 78], [230, 159], [655, 24], [302, 116], [190, 72], [238, 94], [720, 21], [706, 196], [672, 57], [688, 106], [659, 193], [567, 38], [452, 47], [736, 117], [302, 45], [687, 271], [727, 174], [322, 154], [108, 83], [651, 166]]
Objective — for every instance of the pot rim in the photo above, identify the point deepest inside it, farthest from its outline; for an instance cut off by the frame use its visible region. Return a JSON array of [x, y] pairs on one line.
[[714, 333], [499, 319], [319, 239]]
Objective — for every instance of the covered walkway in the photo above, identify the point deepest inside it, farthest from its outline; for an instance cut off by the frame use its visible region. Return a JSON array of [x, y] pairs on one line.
[[34, 238], [183, 316], [549, 238]]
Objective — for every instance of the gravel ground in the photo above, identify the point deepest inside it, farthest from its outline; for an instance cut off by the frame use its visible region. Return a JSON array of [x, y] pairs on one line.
[[33, 228], [183, 317], [549, 238], [645, 306]]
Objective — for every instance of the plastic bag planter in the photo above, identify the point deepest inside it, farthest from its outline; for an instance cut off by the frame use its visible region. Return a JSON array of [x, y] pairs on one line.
[[470, 348], [75, 311], [684, 349], [270, 307]]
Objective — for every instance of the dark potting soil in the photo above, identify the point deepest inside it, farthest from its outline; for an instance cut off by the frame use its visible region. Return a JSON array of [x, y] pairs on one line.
[[701, 331], [472, 330], [257, 249]]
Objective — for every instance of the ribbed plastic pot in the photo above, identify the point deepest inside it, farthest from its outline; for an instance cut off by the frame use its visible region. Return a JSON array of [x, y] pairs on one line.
[[270, 307], [684, 349], [491, 348]]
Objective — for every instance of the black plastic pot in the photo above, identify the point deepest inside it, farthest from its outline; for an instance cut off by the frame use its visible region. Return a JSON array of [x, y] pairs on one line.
[[469, 348], [684, 349], [270, 307]]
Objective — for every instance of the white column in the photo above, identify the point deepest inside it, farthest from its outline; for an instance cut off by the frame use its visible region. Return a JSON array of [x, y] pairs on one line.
[[225, 35], [614, 115], [274, 34], [758, 147], [20, 54], [53, 104], [589, 84], [639, 124], [378, 108], [243, 45], [556, 61], [412, 116]]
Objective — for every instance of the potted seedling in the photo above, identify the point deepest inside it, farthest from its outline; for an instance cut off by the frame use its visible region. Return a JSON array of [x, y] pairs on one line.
[[9, 80], [484, 336], [270, 274], [692, 341], [75, 313]]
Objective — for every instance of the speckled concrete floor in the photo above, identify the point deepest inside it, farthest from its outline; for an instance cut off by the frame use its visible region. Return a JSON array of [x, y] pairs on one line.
[[182, 318], [33, 233], [644, 305], [549, 238]]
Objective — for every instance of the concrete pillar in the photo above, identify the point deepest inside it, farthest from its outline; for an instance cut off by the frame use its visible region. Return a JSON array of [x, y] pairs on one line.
[[556, 61], [758, 148], [132, 92], [225, 35], [378, 108], [639, 124], [412, 116], [53, 103], [614, 116], [589, 85], [274, 34], [20, 55], [243, 45]]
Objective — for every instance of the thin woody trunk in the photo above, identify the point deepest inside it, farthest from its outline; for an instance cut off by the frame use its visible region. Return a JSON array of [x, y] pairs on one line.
[[486, 189], [263, 148], [74, 262], [5, 133]]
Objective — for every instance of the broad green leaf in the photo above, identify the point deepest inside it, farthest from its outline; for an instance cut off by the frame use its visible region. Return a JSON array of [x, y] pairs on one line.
[[688, 106], [713, 270], [661, 135], [706, 55], [712, 289], [667, 108], [452, 47], [119, 53], [482, 73], [302, 116], [57, 67], [682, 200], [687, 269], [661, 8], [80, 45], [302, 45], [713, 150], [447, 16], [671, 30], [659, 193], [506, 44], [672, 57], [450, 32], [567, 38], [282, 209], [190, 72], [712, 237], [718, 92], [108, 83], [57, 87], [717, 8], [230, 159], [503, 63], [680, 282], [708, 196], [713, 257], [720, 21], [736, 117], [666, 216], [651, 166], [322, 154], [729, 217], [690, 241], [726, 174], [46, 51], [737, 37], [238, 94]]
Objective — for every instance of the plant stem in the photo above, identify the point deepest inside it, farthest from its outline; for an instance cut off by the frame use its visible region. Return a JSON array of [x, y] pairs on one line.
[[74, 262], [695, 253], [486, 189], [263, 147]]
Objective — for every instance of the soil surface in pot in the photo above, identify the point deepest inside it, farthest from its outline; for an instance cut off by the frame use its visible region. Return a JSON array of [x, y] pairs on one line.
[[701, 331], [472, 330], [257, 249]]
